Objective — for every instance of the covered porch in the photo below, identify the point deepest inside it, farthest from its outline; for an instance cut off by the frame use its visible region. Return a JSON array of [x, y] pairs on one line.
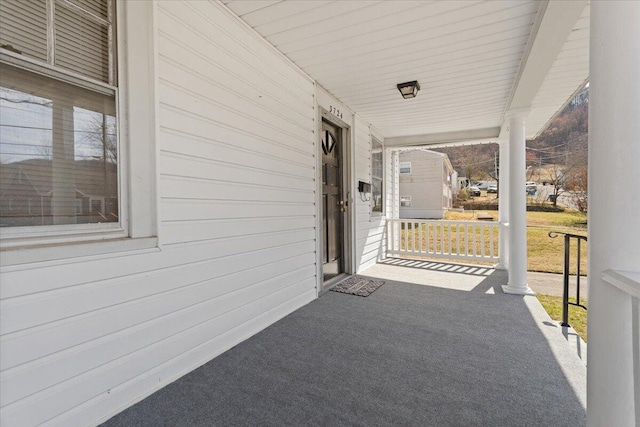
[[427, 348], [207, 306]]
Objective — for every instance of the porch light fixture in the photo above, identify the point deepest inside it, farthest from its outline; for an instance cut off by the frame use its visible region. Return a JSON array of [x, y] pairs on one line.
[[409, 89]]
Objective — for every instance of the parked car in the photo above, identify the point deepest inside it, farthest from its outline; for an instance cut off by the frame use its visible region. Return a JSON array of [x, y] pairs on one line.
[[483, 185], [474, 191], [531, 186], [492, 189]]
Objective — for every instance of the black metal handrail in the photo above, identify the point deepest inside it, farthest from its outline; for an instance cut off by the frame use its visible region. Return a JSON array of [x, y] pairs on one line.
[[567, 257]]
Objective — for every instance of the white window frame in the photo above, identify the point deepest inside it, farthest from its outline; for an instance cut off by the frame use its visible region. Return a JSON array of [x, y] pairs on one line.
[[404, 165], [137, 165], [404, 199]]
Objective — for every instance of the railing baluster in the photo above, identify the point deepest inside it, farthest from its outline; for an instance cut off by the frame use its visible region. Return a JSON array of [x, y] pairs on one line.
[[565, 295], [396, 234], [394, 243], [567, 271], [436, 239], [578, 274], [491, 232]]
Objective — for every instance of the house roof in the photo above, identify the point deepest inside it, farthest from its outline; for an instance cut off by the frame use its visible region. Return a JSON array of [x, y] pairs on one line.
[[474, 60]]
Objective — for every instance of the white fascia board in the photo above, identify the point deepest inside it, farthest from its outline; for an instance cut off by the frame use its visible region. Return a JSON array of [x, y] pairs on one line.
[[556, 20], [560, 109], [449, 138]]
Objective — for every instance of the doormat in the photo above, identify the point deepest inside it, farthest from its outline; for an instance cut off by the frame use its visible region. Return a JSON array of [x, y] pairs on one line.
[[359, 286]]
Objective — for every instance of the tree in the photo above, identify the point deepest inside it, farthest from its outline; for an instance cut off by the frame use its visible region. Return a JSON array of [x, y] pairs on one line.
[[558, 176], [578, 187]]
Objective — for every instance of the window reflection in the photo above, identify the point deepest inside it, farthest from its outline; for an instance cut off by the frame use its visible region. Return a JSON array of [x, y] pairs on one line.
[[58, 152]]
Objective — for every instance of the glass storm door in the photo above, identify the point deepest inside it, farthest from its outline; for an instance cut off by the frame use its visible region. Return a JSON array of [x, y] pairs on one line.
[[333, 206]]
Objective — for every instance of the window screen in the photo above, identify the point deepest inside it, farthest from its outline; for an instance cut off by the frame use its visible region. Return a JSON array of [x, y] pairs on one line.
[[377, 167], [23, 27], [58, 150], [81, 45], [58, 135], [76, 35]]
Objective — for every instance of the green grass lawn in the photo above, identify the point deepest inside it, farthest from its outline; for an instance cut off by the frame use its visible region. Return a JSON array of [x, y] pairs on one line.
[[545, 254], [577, 315]]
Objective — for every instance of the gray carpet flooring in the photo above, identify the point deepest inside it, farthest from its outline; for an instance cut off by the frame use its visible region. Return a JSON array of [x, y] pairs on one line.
[[407, 355]]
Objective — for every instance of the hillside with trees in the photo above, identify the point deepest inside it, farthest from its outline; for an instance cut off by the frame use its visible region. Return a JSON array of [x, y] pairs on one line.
[[557, 156]]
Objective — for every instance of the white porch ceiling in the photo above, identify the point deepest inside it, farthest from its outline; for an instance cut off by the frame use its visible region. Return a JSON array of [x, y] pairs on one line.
[[467, 55]]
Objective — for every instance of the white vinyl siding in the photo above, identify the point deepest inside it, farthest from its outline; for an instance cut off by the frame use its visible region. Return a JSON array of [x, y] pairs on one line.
[[83, 338]]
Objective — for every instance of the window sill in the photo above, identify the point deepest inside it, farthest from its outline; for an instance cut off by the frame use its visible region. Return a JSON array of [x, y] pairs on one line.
[[19, 255]]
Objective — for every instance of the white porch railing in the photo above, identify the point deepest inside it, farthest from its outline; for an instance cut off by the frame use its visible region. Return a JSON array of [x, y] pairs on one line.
[[470, 240]]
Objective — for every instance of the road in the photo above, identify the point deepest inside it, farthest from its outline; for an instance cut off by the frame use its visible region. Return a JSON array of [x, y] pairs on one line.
[[553, 284], [566, 198]]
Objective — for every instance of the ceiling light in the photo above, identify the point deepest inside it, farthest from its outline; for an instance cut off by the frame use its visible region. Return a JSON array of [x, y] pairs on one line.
[[409, 89]]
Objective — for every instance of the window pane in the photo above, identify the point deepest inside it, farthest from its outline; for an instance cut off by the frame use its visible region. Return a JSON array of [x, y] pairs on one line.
[[81, 44], [58, 151], [376, 195], [405, 167], [23, 27], [377, 166], [97, 7]]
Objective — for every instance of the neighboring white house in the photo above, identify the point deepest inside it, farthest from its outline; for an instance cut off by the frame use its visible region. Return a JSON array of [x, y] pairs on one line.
[[243, 135], [427, 182]]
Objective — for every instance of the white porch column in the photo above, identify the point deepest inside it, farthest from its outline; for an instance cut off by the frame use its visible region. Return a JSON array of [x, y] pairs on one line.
[[503, 205], [614, 211], [517, 206]]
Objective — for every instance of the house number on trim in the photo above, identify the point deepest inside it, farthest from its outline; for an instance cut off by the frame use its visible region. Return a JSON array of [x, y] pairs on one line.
[[333, 110]]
